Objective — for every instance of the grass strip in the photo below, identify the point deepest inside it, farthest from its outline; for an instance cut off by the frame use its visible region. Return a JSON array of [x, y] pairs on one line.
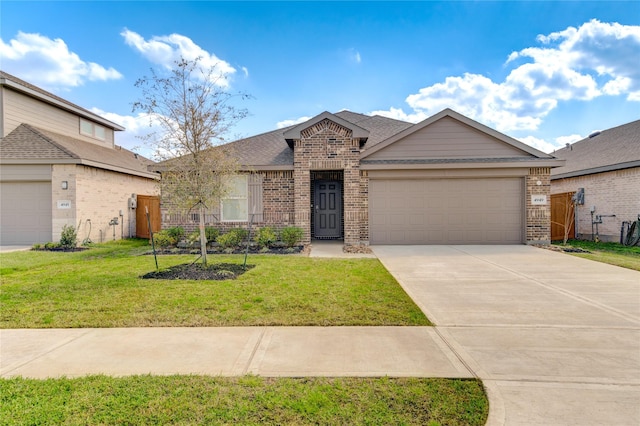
[[248, 400], [102, 287], [611, 253]]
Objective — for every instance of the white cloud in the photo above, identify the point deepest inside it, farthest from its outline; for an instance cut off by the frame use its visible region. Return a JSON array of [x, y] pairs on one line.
[[167, 50], [549, 147], [355, 56], [49, 63], [136, 128], [287, 123], [539, 144], [596, 59], [564, 140]]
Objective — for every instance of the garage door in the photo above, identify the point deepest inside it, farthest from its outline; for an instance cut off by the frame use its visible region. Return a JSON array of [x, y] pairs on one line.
[[446, 211], [25, 212]]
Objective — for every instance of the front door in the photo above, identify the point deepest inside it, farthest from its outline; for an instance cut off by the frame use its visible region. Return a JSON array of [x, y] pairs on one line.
[[327, 204]]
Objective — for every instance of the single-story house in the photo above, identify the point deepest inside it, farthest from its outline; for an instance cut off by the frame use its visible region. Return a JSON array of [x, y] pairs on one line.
[[376, 180], [604, 169], [59, 165]]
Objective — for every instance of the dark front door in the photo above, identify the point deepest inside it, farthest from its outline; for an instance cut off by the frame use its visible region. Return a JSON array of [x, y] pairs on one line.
[[327, 204]]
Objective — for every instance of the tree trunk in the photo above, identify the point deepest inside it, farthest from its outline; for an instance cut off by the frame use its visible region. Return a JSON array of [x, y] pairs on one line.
[[203, 236]]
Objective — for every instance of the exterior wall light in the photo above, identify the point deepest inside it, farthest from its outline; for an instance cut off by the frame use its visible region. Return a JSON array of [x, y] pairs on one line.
[[65, 184]]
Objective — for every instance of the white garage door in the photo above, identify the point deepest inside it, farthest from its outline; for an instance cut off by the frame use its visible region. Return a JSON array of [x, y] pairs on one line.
[[446, 211], [25, 212]]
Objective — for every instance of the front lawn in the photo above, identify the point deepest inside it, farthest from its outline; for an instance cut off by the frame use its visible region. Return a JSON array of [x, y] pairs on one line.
[[611, 253], [191, 400], [101, 287]]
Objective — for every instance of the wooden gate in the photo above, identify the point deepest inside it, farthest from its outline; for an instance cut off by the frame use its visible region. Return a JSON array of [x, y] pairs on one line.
[[152, 203], [562, 216]]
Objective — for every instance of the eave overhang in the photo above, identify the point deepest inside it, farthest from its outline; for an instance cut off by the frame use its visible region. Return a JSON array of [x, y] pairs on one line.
[[594, 170], [89, 163], [481, 163]]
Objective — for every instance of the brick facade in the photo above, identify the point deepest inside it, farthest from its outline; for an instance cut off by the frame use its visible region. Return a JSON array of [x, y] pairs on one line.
[[615, 192], [328, 146], [538, 216], [328, 151], [96, 197]]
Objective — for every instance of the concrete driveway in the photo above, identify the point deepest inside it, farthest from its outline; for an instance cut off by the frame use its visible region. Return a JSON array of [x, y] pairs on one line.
[[554, 338]]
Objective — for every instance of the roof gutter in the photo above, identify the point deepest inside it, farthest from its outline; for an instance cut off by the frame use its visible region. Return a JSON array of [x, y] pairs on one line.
[[594, 170]]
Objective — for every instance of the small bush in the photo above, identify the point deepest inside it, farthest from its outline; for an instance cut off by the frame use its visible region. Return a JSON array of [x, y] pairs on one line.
[[265, 236], [211, 233], [68, 237], [193, 238], [163, 239], [51, 246], [177, 232], [233, 238], [36, 246], [291, 235]]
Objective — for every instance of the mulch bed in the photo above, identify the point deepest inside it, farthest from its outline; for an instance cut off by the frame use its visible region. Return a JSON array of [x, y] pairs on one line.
[[197, 271], [63, 249], [563, 249], [239, 250]]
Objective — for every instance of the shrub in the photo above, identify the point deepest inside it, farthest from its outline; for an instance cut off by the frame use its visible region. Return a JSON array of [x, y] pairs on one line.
[[211, 233], [68, 237], [36, 246], [177, 233], [193, 237], [233, 238], [265, 236], [51, 246], [291, 235], [164, 239]]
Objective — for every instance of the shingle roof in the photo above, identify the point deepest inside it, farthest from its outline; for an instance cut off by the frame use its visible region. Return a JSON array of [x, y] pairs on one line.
[[20, 84], [611, 149], [27, 144], [271, 149]]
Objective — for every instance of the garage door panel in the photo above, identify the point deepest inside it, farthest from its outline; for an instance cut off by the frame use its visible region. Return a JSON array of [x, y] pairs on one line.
[[25, 212], [447, 211]]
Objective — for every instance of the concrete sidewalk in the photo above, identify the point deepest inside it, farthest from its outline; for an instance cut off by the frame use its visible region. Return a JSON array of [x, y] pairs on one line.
[[229, 351]]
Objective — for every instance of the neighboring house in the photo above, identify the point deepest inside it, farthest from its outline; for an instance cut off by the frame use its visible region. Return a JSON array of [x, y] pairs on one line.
[[375, 180], [59, 166], [605, 168]]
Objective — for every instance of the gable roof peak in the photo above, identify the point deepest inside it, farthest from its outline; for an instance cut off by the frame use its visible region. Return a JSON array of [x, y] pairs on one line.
[[448, 112], [296, 131]]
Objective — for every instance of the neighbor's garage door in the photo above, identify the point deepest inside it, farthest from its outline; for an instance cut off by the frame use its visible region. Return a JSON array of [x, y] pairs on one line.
[[25, 212], [446, 211]]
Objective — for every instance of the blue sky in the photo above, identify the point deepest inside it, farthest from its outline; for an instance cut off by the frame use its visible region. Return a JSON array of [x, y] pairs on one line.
[[546, 73]]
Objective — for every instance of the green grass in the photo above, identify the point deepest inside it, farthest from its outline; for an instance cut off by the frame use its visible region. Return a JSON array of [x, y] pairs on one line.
[[611, 253], [102, 287], [249, 400]]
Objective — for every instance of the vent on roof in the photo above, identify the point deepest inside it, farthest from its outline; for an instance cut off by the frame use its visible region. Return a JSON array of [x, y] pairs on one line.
[[594, 134]]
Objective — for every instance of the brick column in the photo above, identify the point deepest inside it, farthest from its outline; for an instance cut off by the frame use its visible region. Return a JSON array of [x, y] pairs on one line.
[[538, 182], [302, 191]]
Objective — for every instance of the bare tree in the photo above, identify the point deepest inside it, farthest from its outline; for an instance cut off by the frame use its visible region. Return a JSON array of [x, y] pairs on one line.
[[192, 112]]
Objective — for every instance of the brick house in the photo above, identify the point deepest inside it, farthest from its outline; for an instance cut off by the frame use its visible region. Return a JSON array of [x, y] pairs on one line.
[[375, 180], [59, 165], [605, 168]]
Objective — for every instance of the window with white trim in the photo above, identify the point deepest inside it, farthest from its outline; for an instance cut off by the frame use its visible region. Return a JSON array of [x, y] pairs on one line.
[[91, 129], [235, 205]]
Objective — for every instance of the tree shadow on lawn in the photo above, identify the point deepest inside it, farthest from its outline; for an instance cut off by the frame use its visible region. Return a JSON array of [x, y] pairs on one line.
[[197, 271]]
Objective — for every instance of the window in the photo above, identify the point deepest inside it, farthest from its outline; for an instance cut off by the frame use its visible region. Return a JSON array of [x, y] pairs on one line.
[[91, 129], [235, 206]]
